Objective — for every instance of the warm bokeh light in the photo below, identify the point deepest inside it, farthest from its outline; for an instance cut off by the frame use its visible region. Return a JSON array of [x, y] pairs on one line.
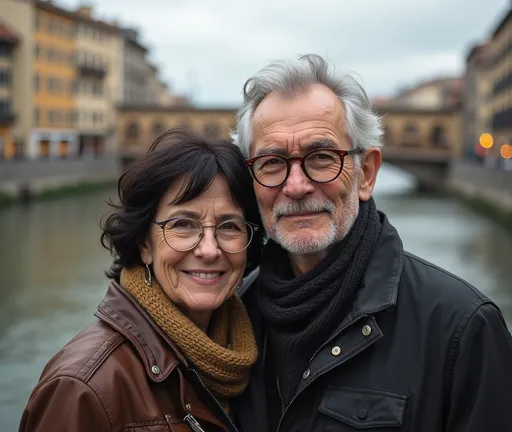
[[486, 140], [506, 151]]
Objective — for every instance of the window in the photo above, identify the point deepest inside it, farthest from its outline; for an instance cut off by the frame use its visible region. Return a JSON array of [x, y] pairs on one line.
[[37, 51], [132, 131], [410, 137], [37, 116], [5, 107], [5, 50], [73, 117], [37, 83], [5, 77], [97, 89], [51, 117], [438, 137], [158, 129], [37, 23]]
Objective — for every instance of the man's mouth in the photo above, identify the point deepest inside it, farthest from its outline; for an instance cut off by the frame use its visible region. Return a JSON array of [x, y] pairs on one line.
[[302, 214]]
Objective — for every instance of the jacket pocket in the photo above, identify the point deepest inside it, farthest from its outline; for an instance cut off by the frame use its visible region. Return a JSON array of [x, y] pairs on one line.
[[363, 409]]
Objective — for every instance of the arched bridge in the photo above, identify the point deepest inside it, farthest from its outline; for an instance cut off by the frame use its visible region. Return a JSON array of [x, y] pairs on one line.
[[421, 142]]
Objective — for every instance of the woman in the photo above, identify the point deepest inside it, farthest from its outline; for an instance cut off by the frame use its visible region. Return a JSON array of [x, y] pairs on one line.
[[172, 343]]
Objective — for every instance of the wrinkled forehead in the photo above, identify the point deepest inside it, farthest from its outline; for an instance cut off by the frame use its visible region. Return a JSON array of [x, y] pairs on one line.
[[294, 121]]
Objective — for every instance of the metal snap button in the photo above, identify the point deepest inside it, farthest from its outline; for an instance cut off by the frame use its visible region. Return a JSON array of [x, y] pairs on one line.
[[362, 413], [155, 369], [366, 330], [336, 351], [306, 373]]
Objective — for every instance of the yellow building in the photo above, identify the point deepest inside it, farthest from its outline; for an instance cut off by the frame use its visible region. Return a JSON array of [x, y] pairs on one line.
[[98, 49], [8, 41], [54, 118]]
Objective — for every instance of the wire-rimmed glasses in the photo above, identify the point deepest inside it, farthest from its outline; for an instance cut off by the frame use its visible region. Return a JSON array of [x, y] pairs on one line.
[[184, 234]]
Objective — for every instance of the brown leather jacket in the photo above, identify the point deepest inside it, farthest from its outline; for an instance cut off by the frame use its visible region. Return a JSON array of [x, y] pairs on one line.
[[121, 373]]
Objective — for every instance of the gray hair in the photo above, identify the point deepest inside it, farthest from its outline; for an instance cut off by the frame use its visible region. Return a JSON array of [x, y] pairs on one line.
[[290, 77]]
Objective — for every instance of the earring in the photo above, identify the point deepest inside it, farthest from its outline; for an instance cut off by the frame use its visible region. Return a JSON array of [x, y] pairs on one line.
[[148, 278]]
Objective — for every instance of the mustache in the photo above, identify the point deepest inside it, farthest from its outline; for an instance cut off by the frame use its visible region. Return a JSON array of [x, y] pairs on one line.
[[302, 206]]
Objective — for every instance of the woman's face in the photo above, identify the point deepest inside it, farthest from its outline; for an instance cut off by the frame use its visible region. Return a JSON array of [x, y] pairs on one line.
[[200, 279]]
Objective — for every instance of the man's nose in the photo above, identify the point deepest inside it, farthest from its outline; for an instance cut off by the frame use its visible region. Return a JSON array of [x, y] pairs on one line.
[[208, 248], [297, 184]]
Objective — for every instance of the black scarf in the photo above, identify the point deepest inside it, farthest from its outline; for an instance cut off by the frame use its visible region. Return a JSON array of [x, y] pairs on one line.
[[301, 313]]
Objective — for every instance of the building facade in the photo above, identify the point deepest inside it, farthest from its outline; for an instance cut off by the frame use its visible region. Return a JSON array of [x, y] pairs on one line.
[[8, 42], [437, 94], [476, 117], [423, 133], [139, 126], [97, 48], [18, 17], [54, 80], [134, 70], [499, 76]]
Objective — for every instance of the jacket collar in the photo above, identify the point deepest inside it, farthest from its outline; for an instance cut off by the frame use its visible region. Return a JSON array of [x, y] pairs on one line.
[[379, 287], [157, 352]]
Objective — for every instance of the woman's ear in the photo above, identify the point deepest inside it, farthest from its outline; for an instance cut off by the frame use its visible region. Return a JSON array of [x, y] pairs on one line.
[[145, 253]]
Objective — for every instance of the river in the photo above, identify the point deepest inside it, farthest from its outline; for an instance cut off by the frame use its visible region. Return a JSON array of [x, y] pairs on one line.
[[52, 270]]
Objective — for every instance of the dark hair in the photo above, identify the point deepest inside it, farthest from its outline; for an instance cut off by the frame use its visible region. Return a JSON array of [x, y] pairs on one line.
[[180, 154]]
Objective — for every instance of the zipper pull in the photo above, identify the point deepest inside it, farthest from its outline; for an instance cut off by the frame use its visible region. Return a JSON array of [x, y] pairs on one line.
[[193, 423]]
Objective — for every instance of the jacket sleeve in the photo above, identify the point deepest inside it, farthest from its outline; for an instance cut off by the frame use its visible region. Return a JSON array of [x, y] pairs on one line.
[[480, 395], [64, 404]]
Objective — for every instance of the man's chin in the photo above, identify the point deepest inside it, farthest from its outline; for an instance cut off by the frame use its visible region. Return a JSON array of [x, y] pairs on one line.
[[304, 240]]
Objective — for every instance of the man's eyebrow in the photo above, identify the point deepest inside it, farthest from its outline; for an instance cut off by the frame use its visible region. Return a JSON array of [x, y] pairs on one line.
[[314, 145], [320, 145], [272, 151]]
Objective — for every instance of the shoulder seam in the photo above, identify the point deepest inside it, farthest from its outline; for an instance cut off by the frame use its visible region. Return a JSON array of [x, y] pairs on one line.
[[99, 356], [456, 338], [74, 378], [480, 296]]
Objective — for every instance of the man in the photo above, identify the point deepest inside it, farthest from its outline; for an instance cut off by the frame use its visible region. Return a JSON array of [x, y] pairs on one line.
[[353, 332]]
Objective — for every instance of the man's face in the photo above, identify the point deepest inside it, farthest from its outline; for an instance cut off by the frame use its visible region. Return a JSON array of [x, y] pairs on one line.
[[303, 216]]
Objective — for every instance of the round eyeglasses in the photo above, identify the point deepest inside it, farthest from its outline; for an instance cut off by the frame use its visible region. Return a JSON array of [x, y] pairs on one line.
[[183, 234], [320, 166]]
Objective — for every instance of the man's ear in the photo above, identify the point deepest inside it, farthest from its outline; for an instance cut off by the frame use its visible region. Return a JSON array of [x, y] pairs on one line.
[[371, 162]]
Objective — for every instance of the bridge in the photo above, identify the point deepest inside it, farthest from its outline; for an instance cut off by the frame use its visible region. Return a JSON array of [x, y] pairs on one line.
[[423, 143], [420, 142]]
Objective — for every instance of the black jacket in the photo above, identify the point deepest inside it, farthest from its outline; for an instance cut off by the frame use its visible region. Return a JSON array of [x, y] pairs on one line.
[[422, 350]]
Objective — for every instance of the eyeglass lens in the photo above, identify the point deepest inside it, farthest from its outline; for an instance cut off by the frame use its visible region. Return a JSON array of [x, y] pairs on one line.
[[232, 236], [321, 166]]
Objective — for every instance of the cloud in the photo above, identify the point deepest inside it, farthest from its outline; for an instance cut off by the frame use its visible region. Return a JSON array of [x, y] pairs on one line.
[[211, 47]]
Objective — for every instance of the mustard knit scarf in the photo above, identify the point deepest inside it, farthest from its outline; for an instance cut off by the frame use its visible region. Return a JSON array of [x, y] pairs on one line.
[[223, 357]]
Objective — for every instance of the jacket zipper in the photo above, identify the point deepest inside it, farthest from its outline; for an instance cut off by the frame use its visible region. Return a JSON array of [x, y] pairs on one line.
[[193, 423], [215, 400], [190, 419], [310, 361]]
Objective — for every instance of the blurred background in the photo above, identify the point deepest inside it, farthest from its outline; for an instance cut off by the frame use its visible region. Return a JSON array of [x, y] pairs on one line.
[[85, 88]]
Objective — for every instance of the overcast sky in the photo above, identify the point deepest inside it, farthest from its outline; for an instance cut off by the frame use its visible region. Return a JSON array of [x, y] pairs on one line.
[[208, 48]]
